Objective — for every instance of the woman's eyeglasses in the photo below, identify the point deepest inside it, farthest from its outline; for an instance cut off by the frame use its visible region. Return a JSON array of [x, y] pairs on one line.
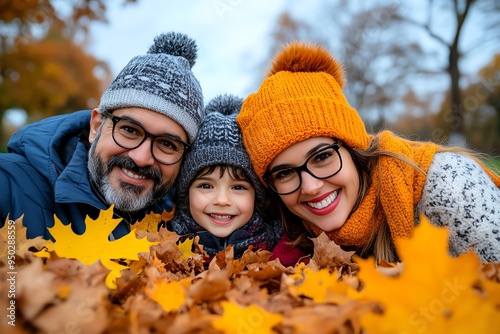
[[323, 164]]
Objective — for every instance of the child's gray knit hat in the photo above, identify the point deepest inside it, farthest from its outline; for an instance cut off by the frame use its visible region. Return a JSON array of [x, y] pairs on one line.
[[218, 142], [161, 81]]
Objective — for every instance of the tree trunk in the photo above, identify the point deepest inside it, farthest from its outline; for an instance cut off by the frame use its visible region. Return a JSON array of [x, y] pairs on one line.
[[457, 133]]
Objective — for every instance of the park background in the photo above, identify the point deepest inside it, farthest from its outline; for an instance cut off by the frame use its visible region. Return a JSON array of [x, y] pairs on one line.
[[428, 70]]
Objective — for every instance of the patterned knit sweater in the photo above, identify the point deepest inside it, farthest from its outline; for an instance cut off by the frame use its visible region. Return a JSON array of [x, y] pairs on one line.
[[456, 191], [458, 194]]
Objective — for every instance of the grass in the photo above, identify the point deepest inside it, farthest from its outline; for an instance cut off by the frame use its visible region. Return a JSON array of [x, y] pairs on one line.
[[493, 164]]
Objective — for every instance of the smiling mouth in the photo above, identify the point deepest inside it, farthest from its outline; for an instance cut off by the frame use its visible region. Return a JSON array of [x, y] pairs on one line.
[[221, 217], [133, 175], [325, 202]]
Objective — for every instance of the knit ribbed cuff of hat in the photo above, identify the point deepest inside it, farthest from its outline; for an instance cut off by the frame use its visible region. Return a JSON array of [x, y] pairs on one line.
[[270, 130], [129, 97]]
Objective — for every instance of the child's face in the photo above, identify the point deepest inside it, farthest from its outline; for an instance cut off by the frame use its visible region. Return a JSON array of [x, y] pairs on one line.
[[328, 202], [221, 205]]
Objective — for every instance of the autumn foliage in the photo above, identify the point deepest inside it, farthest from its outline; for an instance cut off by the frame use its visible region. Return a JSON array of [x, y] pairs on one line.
[[150, 282]]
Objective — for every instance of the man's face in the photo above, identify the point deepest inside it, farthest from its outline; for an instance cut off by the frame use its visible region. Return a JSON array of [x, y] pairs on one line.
[[131, 179]]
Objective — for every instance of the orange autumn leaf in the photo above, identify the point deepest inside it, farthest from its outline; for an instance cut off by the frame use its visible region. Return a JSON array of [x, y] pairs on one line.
[[434, 293], [251, 319], [93, 245], [321, 286], [170, 295]]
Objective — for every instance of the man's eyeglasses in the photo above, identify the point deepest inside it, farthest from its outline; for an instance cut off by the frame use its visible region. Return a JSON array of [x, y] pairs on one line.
[[323, 164], [165, 148]]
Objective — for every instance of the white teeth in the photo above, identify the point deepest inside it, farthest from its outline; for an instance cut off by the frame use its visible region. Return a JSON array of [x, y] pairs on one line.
[[132, 175], [324, 203], [227, 217]]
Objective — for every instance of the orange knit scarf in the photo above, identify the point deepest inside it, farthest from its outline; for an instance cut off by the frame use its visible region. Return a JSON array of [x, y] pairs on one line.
[[400, 186]]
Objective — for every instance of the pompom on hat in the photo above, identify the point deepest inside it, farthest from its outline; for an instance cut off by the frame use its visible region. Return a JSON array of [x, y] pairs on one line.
[[161, 81], [301, 98], [218, 142]]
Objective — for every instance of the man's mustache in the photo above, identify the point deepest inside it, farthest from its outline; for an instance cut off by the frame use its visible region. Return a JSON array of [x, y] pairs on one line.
[[127, 163]]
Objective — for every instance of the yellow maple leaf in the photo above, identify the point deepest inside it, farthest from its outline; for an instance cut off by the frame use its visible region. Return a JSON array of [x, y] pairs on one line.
[[170, 295], [322, 287], [187, 249], [298, 271], [93, 245], [433, 294], [251, 319]]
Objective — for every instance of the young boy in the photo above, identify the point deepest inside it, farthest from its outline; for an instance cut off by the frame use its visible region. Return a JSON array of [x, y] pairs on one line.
[[219, 197]]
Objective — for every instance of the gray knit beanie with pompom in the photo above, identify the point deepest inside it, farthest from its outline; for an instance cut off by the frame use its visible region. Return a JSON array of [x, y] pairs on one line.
[[218, 142], [161, 81]]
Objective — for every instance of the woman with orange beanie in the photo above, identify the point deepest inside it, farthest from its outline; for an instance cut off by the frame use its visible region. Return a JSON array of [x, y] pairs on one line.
[[312, 149]]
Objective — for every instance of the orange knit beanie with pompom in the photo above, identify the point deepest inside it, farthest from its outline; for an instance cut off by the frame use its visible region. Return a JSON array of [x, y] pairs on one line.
[[301, 98]]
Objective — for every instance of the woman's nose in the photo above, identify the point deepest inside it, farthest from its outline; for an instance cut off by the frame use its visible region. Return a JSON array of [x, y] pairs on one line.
[[310, 184]]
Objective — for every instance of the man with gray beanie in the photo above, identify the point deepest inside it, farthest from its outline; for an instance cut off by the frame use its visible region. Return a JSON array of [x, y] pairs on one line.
[[126, 153]]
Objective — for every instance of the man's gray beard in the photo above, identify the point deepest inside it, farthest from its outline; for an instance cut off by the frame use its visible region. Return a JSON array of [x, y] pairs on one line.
[[128, 198]]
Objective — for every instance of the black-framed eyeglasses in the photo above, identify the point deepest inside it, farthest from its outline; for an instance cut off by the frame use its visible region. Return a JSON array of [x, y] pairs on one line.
[[165, 148], [323, 164]]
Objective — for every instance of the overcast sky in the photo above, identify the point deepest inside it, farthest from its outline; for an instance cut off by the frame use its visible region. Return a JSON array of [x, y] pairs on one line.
[[233, 36]]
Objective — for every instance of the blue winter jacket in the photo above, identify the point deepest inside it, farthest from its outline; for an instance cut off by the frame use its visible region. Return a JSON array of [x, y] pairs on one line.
[[45, 173]]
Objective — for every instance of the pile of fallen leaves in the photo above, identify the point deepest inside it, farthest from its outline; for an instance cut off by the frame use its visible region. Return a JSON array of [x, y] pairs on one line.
[[150, 282]]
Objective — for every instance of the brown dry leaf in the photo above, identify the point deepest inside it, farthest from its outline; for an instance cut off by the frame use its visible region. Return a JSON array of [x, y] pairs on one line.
[[151, 221], [325, 319], [84, 311], [163, 236], [255, 256], [154, 261], [267, 270], [249, 257], [70, 271], [491, 271], [190, 261], [327, 254], [166, 250], [137, 267], [194, 321], [198, 248], [127, 287], [13, 240], [225, 260], [142, 312], [212, 286], [390, 269], [246, 291], [35, 288]]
